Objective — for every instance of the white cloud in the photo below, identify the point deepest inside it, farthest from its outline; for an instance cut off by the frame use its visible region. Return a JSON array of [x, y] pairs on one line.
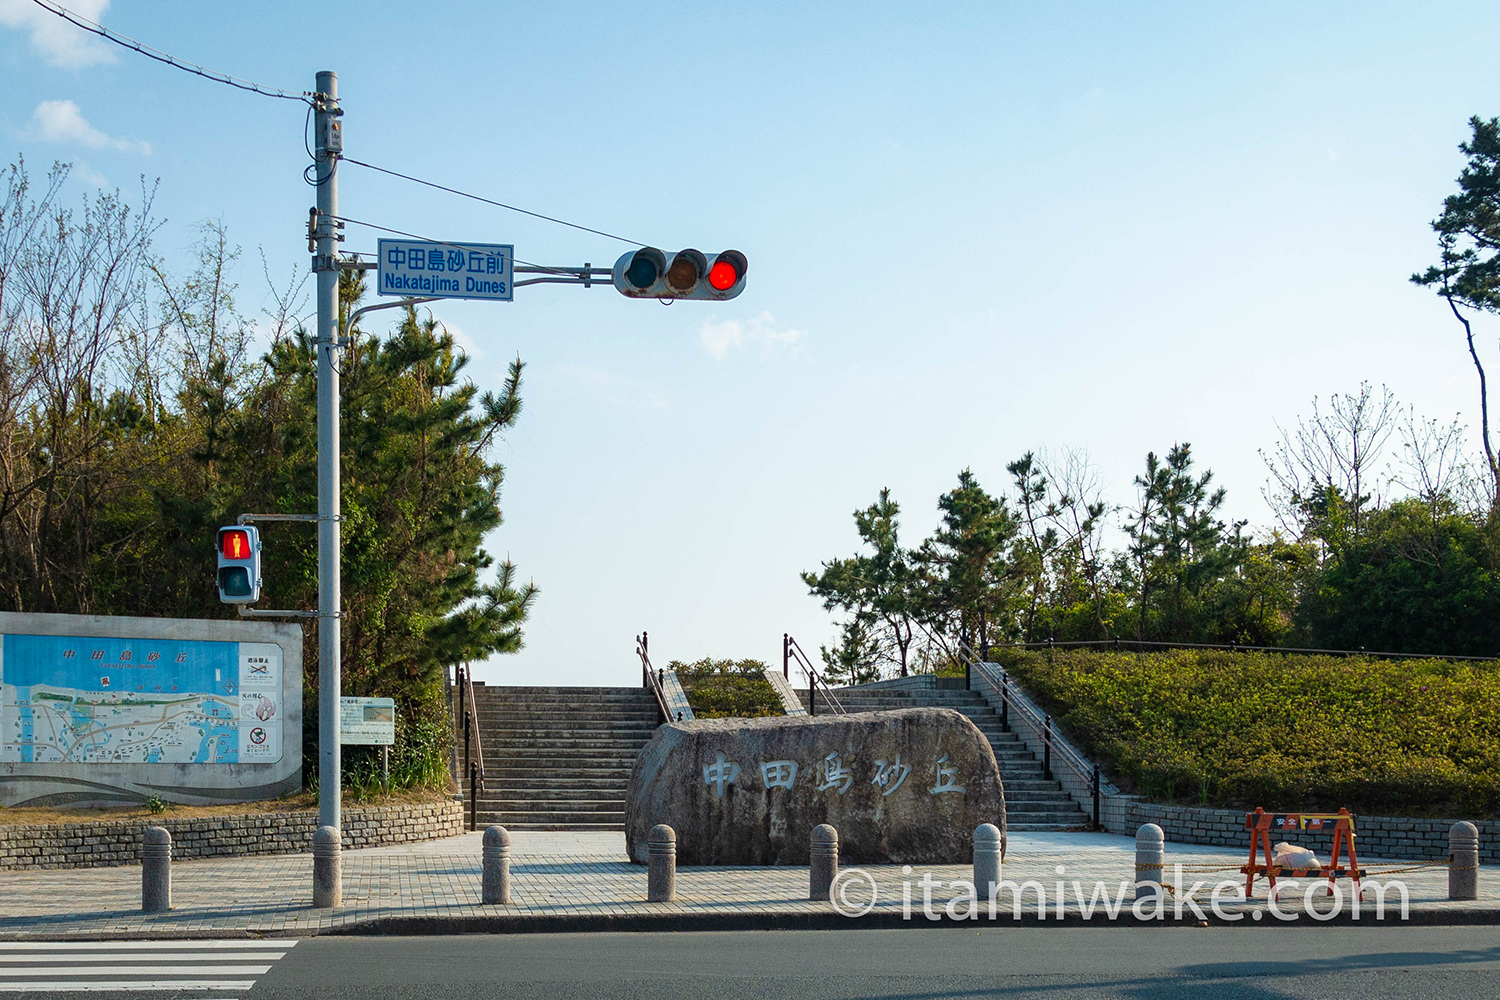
[[61, 121], [89, 176], [614, 388], [720, 338], [56, 40]]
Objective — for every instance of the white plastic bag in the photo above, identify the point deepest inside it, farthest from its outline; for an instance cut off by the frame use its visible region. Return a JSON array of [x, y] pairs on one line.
[[1285, 855]]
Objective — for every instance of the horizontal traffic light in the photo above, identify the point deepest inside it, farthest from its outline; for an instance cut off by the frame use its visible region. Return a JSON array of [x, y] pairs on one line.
[[648, 273], [239, 564]]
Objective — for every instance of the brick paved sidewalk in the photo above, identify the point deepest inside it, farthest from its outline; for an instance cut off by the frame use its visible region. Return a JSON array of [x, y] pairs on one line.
[[583, 881]]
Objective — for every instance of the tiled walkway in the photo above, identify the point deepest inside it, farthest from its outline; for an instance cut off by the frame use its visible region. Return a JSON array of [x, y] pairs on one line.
[[556, 875]]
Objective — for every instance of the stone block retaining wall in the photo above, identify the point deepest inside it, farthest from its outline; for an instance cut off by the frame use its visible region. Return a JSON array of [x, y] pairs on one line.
[[1393, 837], [106, 844]]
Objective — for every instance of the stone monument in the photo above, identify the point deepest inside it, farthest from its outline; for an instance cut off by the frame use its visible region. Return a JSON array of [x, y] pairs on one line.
[[906, 786]]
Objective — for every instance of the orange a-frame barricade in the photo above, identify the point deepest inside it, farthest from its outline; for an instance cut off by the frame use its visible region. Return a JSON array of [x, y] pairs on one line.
[[1261, 824]]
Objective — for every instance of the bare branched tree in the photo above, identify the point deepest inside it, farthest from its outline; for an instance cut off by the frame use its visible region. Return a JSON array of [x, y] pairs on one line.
[[1433, 469], [74, 291], [1328, 465]]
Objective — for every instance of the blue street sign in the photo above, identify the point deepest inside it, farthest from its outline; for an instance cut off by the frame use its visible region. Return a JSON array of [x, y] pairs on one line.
[[413, 268]]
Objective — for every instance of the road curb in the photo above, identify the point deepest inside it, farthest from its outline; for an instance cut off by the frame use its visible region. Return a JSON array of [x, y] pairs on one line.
[[688, 922]]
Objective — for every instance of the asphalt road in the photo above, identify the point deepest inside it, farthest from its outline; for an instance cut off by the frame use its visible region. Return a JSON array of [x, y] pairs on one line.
[[1254, 963], [1078, 963]]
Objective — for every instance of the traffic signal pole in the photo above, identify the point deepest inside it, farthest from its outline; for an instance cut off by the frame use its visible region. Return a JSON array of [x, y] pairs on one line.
[[328, 134]]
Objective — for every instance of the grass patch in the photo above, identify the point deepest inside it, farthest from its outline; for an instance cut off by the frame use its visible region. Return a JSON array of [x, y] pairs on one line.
[[1287, 732]]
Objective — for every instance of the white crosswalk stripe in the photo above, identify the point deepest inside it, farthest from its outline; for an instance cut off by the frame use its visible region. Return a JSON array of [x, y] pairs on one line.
[[65, 966]]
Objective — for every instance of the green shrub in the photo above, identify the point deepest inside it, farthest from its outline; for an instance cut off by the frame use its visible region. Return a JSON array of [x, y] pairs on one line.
[[418, 759], [1283, 731], [719, 689]]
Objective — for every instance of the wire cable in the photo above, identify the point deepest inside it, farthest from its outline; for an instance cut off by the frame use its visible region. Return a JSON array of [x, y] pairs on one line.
[[442, 243], [163, 57], [490, 201]]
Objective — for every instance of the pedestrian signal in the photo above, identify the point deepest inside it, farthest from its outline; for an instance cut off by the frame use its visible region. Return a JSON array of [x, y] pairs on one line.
[[239, 564]]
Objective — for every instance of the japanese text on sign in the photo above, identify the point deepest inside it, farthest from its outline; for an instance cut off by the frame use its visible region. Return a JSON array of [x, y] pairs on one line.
[[449, 270]]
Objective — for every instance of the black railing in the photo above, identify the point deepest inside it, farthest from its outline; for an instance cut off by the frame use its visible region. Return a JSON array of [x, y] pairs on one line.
[[473, 745], [1087, 771], [1233, 647], [791, 652], [652, 679]]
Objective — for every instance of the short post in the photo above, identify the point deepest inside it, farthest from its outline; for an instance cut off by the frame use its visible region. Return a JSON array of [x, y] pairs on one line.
[[1463, 861], [986, 860], [661, 866], [823, 865], [1150, 854], [1096, 797], [328, 875], [496, 878], [1047, 748], [156, 870]]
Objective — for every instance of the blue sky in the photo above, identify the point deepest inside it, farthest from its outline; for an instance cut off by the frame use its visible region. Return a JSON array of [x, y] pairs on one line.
[[973, 230]]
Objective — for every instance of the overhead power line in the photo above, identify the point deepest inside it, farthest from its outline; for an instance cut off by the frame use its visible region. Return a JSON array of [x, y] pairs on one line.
[[441, 243], [489, 201], [163, 57]]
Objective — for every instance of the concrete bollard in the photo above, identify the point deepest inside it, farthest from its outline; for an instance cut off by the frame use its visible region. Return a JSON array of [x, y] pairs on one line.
[[1463, 861], [156, 870], [1150, 855], [823, 862], [328, 874], [986, 860], [661, 870], [496, 880]]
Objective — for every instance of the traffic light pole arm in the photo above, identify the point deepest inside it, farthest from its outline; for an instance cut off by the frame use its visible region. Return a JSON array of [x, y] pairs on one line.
[[354, 317], [256, 613], [587, 275], [305, 518], [252, 518]]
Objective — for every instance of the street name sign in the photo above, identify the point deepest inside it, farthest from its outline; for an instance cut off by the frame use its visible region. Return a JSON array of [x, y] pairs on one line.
[[416, 268], [367, 722]]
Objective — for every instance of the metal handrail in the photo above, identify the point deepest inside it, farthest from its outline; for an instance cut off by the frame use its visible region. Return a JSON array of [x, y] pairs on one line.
[[473, 744], [1086, 770], [790, 648], [650, 678]]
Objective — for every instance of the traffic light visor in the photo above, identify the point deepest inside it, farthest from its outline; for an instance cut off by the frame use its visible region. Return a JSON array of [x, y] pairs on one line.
[[727, 270], [234, 543], [686, 270], [646, 265], [234, 581]]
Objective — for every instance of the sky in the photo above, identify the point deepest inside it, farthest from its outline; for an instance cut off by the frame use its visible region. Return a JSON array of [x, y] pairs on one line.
[[973, 230]]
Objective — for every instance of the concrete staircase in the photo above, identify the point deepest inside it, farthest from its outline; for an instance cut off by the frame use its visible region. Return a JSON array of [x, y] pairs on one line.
[[559, 757], [1032, 802]]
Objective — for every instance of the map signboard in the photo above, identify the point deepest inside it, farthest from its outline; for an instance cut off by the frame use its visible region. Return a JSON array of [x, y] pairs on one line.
[[449, 270], [367, 721], [78, 699]]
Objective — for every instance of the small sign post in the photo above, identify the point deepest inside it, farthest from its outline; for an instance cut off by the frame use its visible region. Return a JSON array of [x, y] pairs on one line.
[[370, 722]]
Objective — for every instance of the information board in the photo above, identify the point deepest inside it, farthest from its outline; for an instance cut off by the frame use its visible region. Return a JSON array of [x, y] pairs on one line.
[[367, 722], [79, 699]]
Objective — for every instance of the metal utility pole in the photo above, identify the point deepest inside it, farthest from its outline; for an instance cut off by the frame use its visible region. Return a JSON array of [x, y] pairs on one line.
[[329, 138]]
